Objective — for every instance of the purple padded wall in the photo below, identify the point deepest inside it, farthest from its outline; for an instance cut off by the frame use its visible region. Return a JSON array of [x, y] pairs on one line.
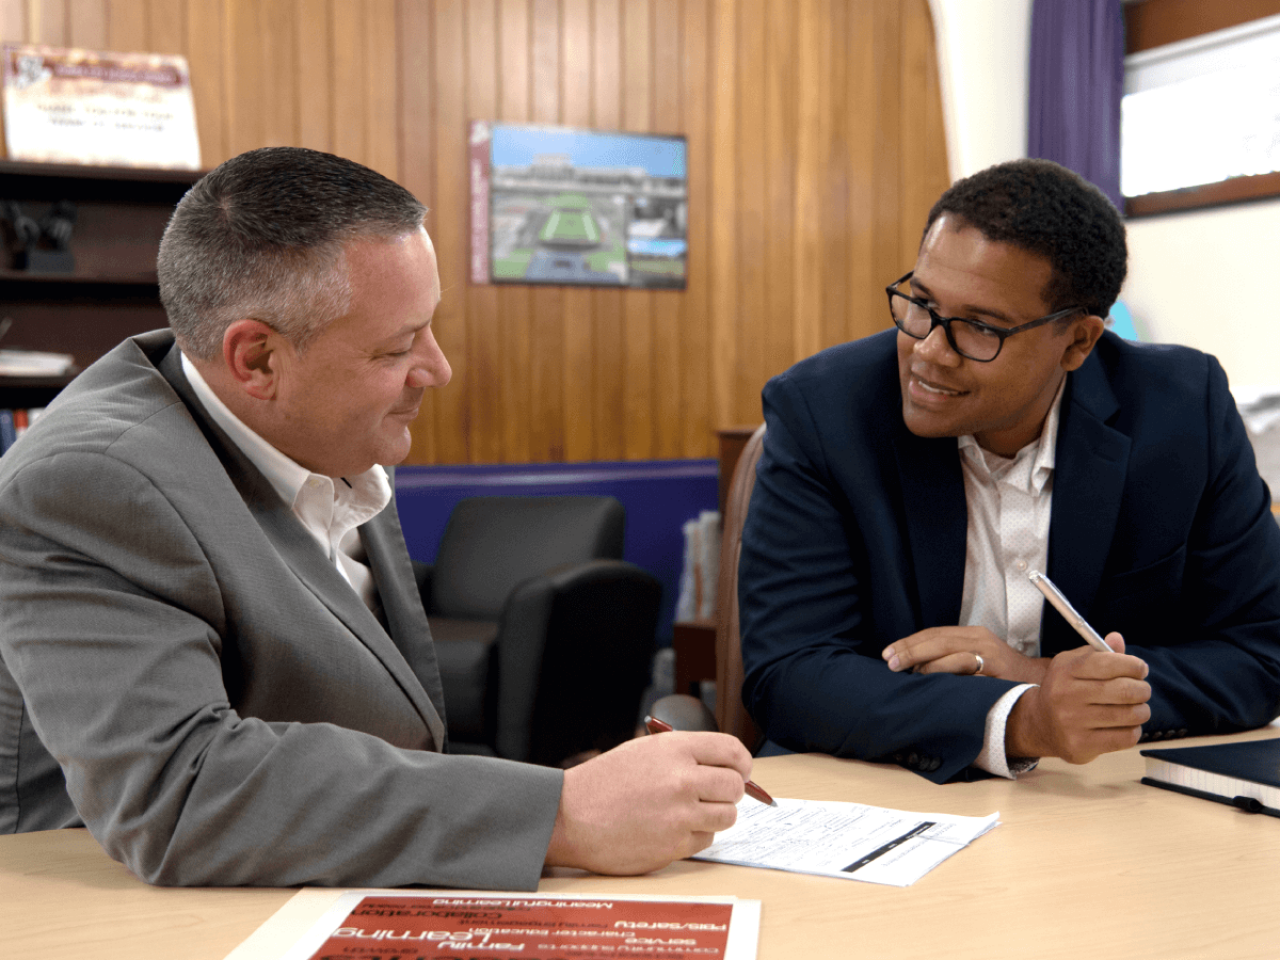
[[659, 496]]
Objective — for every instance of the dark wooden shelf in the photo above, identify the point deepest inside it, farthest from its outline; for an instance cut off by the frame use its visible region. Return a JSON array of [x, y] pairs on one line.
[[82, 171], [121, 213], [50, 382], [93, 171], [77, 279], [25, 392]]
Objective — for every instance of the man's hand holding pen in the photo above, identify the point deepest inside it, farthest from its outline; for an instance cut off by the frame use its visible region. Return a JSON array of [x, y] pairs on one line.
[[1088, 703], [753, 789], [1085, 702], [648, 802]]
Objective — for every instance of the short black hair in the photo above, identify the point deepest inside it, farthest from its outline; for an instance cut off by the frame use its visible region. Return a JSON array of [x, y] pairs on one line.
[[1046, 209]]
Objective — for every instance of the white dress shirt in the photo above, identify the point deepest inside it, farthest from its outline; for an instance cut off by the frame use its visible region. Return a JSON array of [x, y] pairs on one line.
[[1009, 503], [330, 510]]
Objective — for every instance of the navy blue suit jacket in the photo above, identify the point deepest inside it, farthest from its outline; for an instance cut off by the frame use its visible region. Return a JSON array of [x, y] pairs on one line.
[[1161, 528]]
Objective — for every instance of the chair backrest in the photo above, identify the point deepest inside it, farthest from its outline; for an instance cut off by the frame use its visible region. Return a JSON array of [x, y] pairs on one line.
[[731, 716], [491, 544]]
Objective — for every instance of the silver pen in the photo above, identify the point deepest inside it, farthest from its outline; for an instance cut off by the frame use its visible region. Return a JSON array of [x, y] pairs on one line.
[[1064, 607]]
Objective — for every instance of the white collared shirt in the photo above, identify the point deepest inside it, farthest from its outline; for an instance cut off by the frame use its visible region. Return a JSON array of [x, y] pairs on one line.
[[1009, 503], [330, 510]]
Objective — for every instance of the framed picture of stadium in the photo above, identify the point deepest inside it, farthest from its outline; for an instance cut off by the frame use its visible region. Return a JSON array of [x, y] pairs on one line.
[[583, 207]]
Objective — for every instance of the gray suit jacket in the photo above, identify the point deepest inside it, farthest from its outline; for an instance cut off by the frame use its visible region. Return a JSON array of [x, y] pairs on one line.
[[185, 672]]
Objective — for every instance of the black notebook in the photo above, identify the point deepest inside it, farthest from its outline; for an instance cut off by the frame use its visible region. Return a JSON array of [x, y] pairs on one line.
[[1246, 775]]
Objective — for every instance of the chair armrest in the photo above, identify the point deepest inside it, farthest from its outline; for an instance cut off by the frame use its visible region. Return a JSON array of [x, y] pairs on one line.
[[574, 651], [684, 712]]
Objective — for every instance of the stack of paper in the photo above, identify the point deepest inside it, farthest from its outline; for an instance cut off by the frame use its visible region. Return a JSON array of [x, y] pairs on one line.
[[848, 840], [34, 363]]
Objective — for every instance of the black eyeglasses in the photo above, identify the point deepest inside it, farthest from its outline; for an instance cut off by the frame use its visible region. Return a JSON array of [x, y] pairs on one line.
[[972, 339]]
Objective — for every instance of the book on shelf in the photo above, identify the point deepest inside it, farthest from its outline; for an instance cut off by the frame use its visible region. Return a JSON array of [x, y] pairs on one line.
[[1245, 774], [14, 423]]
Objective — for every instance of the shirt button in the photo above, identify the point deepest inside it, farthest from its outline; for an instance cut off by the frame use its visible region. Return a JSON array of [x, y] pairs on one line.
[[1022, 564]]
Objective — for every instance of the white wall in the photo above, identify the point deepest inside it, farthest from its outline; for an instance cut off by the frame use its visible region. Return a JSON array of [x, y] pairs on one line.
[[1208, 279], [982, 53], [1179, 264]]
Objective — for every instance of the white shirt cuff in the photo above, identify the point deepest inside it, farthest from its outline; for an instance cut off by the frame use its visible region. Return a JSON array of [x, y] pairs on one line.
[[993, 759]]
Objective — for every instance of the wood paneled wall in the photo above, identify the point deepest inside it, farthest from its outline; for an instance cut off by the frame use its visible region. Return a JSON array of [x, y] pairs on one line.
[[1153, 23], [816, 147]]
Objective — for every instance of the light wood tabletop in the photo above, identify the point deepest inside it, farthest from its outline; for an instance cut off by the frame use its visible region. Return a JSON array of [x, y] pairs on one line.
[[1087, 862]]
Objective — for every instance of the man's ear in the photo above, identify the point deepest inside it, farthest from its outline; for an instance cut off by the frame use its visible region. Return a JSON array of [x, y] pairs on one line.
[[1085, 332], [251, 351]]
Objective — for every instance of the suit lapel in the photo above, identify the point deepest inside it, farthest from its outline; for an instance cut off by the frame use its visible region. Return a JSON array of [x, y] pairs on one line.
[[936, 519], [402, 606], [1090, 465], [303, 556]]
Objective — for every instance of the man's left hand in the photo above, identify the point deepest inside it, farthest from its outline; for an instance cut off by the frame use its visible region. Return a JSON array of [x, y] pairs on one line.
[[956, 649]]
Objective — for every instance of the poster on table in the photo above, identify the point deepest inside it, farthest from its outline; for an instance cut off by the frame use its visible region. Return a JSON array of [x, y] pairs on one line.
[[90, 107], [557, 205], [380, 925]]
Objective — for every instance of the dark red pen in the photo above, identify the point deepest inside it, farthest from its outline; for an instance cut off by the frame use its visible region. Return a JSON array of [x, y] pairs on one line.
[[753, 789]]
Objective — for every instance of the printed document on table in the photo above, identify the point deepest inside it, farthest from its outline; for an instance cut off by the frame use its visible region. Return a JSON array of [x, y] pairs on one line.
[[327, 924], [847, 840]]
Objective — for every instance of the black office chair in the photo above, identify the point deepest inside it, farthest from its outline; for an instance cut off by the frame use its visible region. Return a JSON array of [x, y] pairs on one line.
[[544, 635]]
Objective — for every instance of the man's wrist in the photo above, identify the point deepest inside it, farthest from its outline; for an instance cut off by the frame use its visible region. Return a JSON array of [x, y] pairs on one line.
[[1032, 670], [1023, 731], [994, 759], [562, 849]]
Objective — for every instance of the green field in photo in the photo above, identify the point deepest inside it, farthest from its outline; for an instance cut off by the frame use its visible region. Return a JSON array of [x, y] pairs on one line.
[[513, 265]]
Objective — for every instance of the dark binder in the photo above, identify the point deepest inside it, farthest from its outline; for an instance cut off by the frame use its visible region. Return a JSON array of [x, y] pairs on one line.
[[1250, 772]]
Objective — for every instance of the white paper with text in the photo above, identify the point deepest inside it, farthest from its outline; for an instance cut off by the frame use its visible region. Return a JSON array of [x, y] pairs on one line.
[[848, 840]]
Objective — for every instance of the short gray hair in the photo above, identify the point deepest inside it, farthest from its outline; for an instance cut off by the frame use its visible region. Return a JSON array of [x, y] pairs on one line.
[[263, 236]]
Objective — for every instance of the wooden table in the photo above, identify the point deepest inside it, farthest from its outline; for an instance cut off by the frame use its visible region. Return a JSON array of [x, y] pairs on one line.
[[1087, 862]]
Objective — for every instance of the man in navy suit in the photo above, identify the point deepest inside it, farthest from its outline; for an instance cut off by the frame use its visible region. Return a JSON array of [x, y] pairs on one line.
[[911, 480]]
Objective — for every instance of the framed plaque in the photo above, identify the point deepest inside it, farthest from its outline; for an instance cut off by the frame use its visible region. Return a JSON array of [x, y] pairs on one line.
[[112, 109]]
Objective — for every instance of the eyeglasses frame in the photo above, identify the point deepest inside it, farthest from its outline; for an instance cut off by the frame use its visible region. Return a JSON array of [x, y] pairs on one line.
[[937, 320]]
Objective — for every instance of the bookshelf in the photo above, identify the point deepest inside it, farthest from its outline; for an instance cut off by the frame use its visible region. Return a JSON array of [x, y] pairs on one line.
[[25, 392], [111, 294]]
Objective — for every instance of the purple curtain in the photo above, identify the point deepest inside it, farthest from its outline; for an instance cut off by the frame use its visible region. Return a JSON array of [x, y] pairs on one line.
[[1077, 80]]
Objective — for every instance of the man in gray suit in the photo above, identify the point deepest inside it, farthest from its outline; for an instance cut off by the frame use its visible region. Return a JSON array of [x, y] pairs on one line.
[[213, 653]]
